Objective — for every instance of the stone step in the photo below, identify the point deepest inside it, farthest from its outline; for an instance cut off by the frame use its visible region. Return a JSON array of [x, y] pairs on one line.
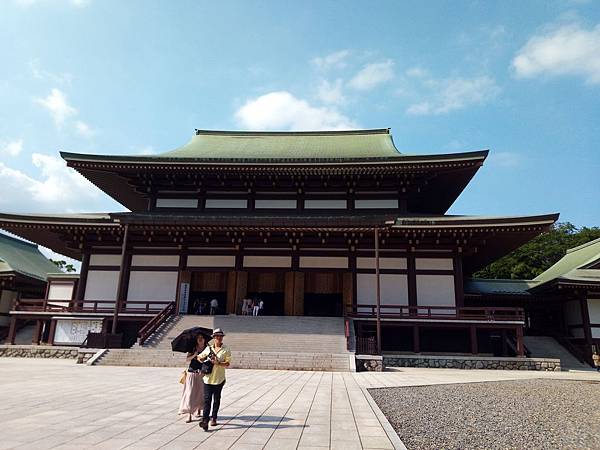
[[548, 347]]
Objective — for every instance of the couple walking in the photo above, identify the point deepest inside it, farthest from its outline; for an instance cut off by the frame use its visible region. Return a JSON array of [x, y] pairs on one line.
[[205, 378]]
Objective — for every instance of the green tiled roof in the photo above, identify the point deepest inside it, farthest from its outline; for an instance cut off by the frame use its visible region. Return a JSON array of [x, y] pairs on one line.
[[497, 286], [572, 265], [287, 145], [24, 258]]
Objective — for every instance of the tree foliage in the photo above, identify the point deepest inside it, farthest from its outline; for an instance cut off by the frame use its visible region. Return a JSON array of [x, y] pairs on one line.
[[64, 266], [533, 258]]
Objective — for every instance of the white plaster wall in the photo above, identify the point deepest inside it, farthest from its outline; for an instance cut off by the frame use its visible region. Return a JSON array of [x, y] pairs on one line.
[[435, 290], [105, 260], [434, 264], [384, 263], [267, 261], [275, 204], [324, 262], [394, 289], [101, 285], [176, 202], [155, 260], [325, 204], [376, 204], [211, 261], [226, 203], [573, 312], [60, 291], [74, 331], [151, 286], [594, 311]]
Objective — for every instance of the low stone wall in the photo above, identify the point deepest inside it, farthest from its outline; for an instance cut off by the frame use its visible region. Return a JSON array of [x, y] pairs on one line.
[[369, 363], [81, 355], [472, 362]]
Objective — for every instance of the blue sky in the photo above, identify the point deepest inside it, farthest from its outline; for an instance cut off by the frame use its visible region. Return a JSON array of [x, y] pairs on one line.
[[117, 77]]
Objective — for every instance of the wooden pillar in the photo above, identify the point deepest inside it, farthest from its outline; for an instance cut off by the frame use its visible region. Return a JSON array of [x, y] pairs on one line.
[[122, 276], [416, 339], [504, 343], [232, 300], [37, 334], [347, 291], [377, 291], [411, 281], [473, 333], [298, 293], [12, 330], [52, 332], [241, 289], [288, 301], [585, 320], [520, 348], [82, 282], [459, 293]]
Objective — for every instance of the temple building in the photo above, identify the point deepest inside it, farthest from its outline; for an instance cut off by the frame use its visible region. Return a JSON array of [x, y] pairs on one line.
[[336, 223]]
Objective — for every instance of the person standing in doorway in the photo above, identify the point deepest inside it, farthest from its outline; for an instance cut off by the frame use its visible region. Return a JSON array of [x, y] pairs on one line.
[[255, 308], [214, 306], [261, 306], [220, 355], [244, 306]]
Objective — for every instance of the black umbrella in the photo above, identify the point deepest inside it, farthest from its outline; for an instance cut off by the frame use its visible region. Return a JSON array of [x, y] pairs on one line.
[[186, 341]]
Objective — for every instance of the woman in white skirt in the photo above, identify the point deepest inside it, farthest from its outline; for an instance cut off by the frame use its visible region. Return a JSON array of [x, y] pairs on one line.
[[192, 400]]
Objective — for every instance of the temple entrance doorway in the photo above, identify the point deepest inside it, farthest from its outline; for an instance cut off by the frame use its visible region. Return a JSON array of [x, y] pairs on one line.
[[323, 294], [205, 286], [270, 288]]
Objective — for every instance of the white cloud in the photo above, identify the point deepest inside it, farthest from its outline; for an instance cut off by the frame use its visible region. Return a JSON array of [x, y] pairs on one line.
[[283, 111], [567, 50], [505, 159], [452, 94], [417, 72], [329, 92], [12, 148], [84, 129], [58, 107], [148, 150], [372, 75], [40, 73], [58, 188], [336, 60]]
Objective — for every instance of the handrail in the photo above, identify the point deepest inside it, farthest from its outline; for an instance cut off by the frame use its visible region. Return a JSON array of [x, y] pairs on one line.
[[90, 306], [155, 322], [437, 312]]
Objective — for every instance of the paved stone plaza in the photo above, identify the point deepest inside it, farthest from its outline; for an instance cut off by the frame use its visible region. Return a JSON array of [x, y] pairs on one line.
[[58, 404]]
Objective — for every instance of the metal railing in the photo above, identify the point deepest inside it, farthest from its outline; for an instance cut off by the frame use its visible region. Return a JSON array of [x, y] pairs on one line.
[[91, 306], [149, 328], [422, 312]]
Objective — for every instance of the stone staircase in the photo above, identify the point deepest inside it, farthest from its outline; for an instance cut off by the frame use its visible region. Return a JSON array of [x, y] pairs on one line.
[[264, 342], [548, 347]]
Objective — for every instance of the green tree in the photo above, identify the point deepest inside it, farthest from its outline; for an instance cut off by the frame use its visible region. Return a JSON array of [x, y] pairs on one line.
[[533, 258], [63, 266]]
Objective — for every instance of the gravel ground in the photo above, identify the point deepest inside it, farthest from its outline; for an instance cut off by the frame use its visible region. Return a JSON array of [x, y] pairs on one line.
[[529, 414]]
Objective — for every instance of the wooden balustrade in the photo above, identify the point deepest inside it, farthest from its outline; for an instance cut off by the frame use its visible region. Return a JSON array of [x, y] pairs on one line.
[[91, 306], [369, 311], [155, 322]]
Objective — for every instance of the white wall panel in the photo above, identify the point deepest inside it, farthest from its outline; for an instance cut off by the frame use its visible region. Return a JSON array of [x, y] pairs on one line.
[[325, 204], [211, 261], [376, 204], [435, 290], [594, 309], [394, 289], [176, 202], [155, 260], [434, 264], [226, 203], [105, 260], [324, 262], [267, 261], [101, 285], [60, 291], [74, 331], [384, 263], [152, 286], [275, 204], [6, 300]]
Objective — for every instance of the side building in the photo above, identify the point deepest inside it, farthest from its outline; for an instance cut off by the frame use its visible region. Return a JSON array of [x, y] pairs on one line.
[[314, 223]]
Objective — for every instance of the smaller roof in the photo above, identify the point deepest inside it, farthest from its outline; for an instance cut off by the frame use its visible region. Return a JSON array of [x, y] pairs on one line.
[[17, 256], [575, 266], [498, 287]]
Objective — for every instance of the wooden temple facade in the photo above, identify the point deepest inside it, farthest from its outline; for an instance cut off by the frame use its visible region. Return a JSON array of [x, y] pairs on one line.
[[312, 223]]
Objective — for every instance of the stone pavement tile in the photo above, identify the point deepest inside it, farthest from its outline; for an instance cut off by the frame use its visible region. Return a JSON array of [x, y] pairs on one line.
[[217, 444], [115, 443], [6, 444], [377, 442], [179, 446], [312, 447], [372, 431], [245, 446], [254, 436], [318, 440], [292, 432], [344, 435], [281, 444], [345, 445]]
